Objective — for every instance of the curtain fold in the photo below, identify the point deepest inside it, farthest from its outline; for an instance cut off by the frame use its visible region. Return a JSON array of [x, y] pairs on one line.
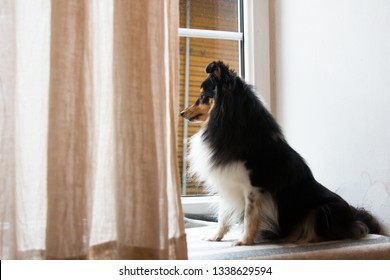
[[178, 242], [7, 129], [140, 120], [103, 181], [70, 159]]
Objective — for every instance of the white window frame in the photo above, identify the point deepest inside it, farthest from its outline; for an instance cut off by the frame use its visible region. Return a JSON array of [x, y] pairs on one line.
[[258, 69], [258, 48]]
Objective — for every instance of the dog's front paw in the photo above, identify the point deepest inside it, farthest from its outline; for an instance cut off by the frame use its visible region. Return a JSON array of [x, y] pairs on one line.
[[218, 234], [213, 237], [242, 242]]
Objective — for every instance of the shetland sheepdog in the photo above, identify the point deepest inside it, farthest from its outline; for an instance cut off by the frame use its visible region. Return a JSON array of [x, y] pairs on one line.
[[241, 154]]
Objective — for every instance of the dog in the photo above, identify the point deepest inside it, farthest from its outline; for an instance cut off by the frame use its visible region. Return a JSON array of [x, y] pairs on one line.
[[240, 154]]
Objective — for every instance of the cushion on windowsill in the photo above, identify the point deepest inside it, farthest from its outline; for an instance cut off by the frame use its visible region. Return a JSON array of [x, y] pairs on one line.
[[371, 247]]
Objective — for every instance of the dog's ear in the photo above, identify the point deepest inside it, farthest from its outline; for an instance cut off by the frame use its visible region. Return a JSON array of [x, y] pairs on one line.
[[211, 67], [214, 69]]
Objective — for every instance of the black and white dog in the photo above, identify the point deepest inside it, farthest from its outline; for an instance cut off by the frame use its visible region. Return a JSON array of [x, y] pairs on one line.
[[241, 154]]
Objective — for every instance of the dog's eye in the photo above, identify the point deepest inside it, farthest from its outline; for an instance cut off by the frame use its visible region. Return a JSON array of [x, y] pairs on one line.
[[209, 94]]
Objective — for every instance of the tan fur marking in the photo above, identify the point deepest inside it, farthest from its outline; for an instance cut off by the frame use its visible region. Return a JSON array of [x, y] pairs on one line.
[[251, 219], [211, 105], [198, 112], [305, 232], [217, 73], [260, 214]]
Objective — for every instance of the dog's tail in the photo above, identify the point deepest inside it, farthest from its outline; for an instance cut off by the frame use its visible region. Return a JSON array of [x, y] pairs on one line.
[[365, 223], [334, 221]]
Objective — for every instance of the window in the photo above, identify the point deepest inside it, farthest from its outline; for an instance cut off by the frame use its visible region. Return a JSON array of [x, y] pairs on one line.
[[209, 30], [225, 30]]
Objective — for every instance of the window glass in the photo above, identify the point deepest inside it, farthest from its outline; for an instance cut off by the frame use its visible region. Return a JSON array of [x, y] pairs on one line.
[[202, 52], [209, 14], [195, 54]]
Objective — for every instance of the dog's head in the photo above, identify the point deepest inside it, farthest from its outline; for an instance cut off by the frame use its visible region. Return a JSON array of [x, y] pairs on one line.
[[199, 111]]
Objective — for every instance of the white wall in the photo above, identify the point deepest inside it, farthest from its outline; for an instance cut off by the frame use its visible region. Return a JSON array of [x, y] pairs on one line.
[[332, 85]]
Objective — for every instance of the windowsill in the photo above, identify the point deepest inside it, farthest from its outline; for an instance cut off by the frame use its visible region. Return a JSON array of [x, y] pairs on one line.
[[199, 205], [197, 223]]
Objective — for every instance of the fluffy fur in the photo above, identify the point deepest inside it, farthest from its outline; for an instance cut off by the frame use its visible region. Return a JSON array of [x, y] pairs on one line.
[[240, 153]]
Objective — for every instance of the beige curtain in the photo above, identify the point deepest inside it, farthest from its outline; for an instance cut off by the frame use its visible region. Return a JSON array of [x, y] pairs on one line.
[[88, 113]]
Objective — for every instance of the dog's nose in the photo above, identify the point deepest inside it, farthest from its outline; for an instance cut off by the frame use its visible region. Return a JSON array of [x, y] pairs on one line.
[[182, 114]]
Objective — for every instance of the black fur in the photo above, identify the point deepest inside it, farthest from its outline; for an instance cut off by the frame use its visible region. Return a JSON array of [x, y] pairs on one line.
[[240, 128]]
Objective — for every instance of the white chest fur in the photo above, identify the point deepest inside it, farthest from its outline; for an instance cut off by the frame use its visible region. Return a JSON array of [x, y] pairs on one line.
[[230, 181]]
